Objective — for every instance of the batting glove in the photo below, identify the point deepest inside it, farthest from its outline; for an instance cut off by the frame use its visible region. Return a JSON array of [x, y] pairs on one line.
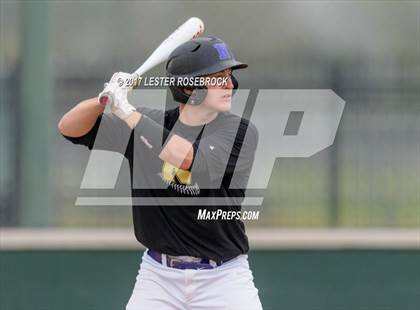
[[117, 89]]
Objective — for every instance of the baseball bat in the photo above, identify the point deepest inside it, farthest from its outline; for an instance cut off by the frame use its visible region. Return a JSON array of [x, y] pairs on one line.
[[192, 28]]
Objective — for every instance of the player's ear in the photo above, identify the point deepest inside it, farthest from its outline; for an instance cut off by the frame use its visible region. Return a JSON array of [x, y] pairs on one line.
[[188, 91]]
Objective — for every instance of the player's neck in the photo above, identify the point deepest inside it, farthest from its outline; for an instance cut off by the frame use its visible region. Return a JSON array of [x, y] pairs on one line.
[[195, 115]]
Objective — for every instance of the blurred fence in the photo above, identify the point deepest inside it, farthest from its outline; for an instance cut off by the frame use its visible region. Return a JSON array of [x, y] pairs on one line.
[[286, 279], [293, 269], [370, 177]]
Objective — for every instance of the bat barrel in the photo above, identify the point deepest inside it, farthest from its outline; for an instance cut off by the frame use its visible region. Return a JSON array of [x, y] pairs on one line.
[[192, 28]]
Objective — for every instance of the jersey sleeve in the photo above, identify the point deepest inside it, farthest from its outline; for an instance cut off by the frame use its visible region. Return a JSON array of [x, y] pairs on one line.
[[109, 133], [229, 149]]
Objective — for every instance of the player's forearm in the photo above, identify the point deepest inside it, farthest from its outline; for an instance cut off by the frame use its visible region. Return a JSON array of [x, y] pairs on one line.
[[178, 151], [79, 120], [133, 119]]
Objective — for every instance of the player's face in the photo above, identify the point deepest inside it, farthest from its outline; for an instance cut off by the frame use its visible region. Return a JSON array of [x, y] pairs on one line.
[[219, 97]]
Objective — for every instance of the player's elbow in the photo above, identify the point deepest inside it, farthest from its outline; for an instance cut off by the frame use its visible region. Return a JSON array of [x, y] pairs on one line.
[[65, 127], [61, 126]]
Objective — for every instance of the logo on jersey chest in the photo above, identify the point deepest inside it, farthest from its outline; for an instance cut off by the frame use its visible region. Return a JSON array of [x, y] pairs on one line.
[[173, 174], [179, 180]]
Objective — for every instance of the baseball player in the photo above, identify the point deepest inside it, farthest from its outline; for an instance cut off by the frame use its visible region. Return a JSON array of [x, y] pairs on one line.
[[197, 152]]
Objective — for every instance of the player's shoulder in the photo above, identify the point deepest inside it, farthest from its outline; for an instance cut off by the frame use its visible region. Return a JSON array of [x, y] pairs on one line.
[[241, 124]]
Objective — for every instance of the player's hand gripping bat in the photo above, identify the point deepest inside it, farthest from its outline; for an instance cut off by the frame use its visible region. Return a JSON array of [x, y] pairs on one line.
[[192, 28]]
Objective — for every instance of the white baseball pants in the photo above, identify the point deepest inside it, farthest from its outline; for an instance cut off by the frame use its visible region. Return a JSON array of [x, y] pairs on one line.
[[229, 286]]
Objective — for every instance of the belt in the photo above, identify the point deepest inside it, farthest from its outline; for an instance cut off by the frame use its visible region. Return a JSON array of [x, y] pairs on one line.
[[184, 262]]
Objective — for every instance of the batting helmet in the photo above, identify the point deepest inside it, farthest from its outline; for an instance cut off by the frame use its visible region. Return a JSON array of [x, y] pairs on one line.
[[199, 57]]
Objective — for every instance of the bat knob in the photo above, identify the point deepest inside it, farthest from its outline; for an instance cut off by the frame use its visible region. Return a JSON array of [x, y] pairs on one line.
[[105, 99]]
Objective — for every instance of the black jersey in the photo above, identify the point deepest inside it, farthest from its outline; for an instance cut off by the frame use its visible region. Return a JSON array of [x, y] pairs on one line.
[[166, 199]]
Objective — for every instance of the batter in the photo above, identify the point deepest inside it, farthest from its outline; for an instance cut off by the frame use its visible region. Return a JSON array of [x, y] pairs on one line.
[[188, 152]]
